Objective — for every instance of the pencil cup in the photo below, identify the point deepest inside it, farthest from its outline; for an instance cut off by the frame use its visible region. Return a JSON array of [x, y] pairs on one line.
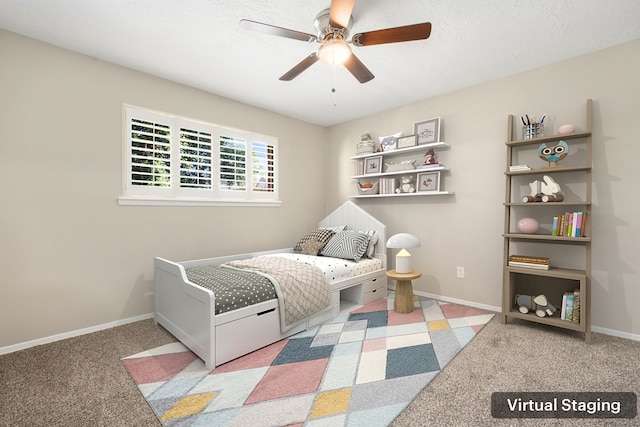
[[531, 131]]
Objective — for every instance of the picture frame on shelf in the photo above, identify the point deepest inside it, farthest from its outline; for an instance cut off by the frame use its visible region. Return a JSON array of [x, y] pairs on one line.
[[427, 131], [372, 165], [406, 141], [429, 181]]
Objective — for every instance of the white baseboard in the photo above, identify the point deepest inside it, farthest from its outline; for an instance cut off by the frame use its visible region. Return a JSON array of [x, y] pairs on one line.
[[71, 334], [612, 332], [459, 301]]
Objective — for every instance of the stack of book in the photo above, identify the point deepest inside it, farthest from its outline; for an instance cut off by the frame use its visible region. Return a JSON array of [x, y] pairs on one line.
[[517, 168], [527, 261], [387, 185], [570, 224], [571, 306], [430, 165]]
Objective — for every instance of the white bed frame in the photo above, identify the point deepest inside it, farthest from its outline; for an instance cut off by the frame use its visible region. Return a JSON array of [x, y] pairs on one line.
[[187, 310]]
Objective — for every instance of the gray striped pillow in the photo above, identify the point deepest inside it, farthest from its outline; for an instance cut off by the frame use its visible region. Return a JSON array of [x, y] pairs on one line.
[[347, 245], [373, 240]]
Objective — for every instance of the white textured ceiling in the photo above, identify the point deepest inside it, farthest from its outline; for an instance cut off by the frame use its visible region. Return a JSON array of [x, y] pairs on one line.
[[199, 43]]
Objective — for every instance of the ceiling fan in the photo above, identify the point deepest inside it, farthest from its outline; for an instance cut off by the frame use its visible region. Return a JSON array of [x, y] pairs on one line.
[[332, 26]]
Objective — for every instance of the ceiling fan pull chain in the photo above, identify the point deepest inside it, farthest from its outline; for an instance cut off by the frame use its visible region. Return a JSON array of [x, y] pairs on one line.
[[333, 89]]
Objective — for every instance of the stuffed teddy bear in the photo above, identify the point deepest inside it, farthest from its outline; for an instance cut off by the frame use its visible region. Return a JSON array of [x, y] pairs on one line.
[[406, 185]]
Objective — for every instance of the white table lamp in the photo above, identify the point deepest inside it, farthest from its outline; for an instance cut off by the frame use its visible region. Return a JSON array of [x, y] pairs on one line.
[[403, 241]]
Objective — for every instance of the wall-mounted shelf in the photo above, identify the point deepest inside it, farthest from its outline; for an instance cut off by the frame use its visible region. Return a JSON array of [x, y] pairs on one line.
[[420, 194], [388, 181], [441, 145], [402, 172]]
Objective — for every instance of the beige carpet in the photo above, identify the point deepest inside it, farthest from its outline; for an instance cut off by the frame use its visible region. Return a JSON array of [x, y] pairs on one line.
[[81, 381], [523, 356]]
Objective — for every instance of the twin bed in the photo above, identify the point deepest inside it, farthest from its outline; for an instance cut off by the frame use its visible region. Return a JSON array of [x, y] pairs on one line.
[[225, 307]]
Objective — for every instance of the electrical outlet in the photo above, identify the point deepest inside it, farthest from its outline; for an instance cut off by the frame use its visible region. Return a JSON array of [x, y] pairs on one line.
[[460, 272]]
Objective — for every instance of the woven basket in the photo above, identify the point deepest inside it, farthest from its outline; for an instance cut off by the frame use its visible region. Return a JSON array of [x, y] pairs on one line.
[[364, 147], [369, 190]]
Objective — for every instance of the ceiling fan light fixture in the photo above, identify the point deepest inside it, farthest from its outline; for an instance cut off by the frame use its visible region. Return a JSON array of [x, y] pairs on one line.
[[334, 52], [333, 26]]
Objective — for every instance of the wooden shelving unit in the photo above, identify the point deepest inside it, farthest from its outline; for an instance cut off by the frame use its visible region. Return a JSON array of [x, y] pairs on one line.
[[557, 280]]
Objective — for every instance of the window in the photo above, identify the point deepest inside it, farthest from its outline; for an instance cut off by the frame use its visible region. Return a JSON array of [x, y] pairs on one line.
[[233, 164], [174, 160]]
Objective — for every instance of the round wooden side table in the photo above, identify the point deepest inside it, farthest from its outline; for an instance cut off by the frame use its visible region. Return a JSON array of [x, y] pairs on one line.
[[403, 300]]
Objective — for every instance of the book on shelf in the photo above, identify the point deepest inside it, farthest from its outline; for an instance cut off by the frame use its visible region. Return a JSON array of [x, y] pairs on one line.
[[516, 168], [529, 258], [429, 166], [554, 226], [528, 265], [569, 224], [529, 261], [387, 185], [579, 225], [576, 306], [570, 310]]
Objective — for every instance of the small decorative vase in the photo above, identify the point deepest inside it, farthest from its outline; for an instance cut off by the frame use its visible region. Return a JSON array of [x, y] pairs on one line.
[[528, 226]]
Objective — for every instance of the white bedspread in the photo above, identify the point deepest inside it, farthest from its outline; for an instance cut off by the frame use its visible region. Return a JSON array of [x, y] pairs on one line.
[[335, 269]]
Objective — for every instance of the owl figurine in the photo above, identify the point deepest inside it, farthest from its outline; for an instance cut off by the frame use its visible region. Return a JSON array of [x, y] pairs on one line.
[[555, 153]]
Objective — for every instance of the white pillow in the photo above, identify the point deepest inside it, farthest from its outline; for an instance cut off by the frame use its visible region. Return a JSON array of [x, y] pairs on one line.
[[335, 229], [390, 143]]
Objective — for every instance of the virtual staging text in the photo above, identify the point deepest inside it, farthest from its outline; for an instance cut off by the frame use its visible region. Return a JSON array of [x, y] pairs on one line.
[[564, 405]]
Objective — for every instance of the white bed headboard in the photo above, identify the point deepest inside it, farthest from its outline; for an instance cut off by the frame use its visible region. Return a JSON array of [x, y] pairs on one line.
[[356, 218]]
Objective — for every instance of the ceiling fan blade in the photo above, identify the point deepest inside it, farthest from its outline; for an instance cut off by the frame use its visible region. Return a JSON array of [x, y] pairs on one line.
[[276, 31], [393, 35], [300, 67], [340, 13], [357, 68]]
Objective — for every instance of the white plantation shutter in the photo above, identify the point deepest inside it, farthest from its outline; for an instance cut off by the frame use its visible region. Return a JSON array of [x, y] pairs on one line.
[[195, 158], [263, 166], [150, 153], [173, 160], [233, 163]]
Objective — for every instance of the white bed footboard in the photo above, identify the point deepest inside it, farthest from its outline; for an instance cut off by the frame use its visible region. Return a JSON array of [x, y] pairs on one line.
[[185, 310]]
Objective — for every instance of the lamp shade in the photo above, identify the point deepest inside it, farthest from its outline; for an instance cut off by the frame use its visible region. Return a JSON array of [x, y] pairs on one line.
[[402, 241]]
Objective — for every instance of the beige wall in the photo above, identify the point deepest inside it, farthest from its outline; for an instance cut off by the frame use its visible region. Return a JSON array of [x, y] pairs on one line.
[[71, 257], [465, 229]]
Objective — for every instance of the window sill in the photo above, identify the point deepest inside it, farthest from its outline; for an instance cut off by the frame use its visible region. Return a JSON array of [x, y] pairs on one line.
[[187, 201]]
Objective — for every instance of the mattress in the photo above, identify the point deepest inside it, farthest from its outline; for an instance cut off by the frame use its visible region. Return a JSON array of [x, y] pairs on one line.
[[336, 269], [235, 289]]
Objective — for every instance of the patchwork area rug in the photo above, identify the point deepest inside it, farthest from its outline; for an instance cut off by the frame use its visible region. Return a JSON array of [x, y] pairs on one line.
[[359, 369]]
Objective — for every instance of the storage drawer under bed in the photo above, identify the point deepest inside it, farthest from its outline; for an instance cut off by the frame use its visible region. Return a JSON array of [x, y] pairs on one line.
[[246, 334], [375, 294], [365, 292]]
